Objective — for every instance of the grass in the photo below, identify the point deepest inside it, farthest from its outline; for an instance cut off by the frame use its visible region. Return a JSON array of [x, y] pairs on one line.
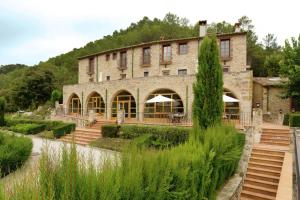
[[196, 169], [115, 144]]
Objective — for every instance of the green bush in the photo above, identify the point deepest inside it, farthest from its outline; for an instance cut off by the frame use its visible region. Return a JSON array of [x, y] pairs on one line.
[[63, 129], [161, 136], [295, 119], [49, 124], [110, 130], [14, 151], [55, 96], [286, 119], [2, 111], [28, 128]]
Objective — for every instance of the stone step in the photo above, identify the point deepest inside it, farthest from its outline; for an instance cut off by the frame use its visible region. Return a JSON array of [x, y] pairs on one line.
[[261, 183], [266, 166], [88, 130], [260, 170], [266, 161], [70, 138], [276, 130], [280, 138], [267, 151], [87, 133], [256, 196], [259, 189], [91, 137], [263, 177], [275, 143], [266, 155]]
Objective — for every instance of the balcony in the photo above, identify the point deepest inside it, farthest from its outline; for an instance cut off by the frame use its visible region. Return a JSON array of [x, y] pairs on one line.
[[165, 60], [122, 64]]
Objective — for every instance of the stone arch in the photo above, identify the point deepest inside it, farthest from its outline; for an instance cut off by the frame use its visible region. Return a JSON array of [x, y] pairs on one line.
[[163, 109], [74, 104], [95, 102], [123, 100]]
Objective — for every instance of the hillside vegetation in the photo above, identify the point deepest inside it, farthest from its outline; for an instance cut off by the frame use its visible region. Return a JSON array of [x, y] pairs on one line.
[[27, 87]]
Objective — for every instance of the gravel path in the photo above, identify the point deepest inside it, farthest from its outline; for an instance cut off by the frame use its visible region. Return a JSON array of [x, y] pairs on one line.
[[54, 147]]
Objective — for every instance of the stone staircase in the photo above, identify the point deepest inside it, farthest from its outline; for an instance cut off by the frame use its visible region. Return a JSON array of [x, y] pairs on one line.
[[84, 136], [265, 165], [279, 137]]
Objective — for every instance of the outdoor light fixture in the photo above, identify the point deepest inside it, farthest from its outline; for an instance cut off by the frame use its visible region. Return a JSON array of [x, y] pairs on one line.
[[257, 105], [280, 111]]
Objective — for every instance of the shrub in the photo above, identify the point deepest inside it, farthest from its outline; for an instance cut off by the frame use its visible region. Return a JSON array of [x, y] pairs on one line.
[[63, 129], [2, 110], [14, 151], [28, 128], [294, 119], [286, 119], [110, 130], [49, 124], [55, 96], [193, 170], [160, 136]]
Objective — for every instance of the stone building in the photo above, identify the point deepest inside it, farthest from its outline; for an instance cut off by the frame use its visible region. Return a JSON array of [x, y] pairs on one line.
[[125, 78], [268, 95]]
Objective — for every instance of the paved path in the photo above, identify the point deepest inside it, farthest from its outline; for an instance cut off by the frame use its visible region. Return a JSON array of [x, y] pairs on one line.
[[55, 147]]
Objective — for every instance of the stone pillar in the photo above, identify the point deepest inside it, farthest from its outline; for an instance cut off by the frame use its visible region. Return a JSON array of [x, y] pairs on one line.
[[120, 116], [257, 122], [91, 116], [280, 118]]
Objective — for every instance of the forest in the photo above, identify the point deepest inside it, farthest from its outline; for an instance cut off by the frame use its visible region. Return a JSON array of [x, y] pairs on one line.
[[27, 87]]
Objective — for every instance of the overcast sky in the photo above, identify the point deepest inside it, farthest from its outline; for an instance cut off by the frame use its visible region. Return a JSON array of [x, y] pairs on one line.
[[34, 30]]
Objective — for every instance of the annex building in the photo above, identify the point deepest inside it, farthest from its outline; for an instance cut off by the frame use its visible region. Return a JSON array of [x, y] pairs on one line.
[[126, 78]]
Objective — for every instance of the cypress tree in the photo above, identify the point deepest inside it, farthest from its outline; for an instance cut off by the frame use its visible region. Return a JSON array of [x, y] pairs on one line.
[[2, 109], [208, 88]]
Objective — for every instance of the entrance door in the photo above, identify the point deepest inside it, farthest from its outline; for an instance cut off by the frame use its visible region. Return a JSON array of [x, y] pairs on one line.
[[75, 105], [125, 106]]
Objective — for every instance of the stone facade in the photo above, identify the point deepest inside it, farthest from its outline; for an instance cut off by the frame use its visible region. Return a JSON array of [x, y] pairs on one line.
[[269, 96], [237, 79]]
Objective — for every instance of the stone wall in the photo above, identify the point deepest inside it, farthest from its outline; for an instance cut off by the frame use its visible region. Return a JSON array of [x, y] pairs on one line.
[[189, 61], [140, 88]]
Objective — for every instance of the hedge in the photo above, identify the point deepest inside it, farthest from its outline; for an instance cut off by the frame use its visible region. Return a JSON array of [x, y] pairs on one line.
[[63, 129], [157, 136], [14, 151], [286, 119], [28, 128], [110, 130], [294, 120]]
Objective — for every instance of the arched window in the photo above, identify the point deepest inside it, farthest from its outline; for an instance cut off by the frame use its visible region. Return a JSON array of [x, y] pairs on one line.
[[96, 103], [163, 109], [74, 105], [124, 101]]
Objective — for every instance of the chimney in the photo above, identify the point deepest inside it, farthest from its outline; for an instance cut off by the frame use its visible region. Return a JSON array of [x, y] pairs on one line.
[[202, 28], [237, 27]]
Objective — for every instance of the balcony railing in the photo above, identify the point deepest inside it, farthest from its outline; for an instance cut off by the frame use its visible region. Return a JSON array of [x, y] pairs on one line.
[[165, 60], [122, 64]]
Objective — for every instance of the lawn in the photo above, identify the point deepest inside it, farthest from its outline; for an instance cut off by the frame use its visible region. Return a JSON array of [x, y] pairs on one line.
[[115, 144]]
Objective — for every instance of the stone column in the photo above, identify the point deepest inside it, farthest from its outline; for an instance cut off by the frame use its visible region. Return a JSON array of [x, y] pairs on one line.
[[257, 122]]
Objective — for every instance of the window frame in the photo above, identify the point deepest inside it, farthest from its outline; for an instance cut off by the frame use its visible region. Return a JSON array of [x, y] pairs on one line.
[[225, 53], [148, 56], [123, 59], [168, 53], [180, 52], [107, 56], [181, 70]]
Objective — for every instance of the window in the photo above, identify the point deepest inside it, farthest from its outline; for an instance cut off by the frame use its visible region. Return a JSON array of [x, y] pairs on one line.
[[123, 59], [146, 74], [90, 69], [182, 72], [167, 53], [225, 48], [123, 76], [166, 73], [183, 48], [146, 56], [225, 68], [107, 78], [107, 57], [114, 56]]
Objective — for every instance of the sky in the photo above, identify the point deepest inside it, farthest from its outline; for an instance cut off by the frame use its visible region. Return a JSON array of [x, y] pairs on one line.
[[35, 30]]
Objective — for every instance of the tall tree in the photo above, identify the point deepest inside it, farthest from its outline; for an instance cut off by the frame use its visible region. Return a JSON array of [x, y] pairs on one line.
[[2, 110], [208, 88], [290, 67]]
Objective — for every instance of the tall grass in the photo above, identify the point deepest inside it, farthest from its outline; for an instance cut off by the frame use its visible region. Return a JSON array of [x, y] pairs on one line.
[[193, 170]]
